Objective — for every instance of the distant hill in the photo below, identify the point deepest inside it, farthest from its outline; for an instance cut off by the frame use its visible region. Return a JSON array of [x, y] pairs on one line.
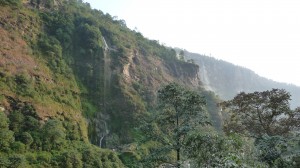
[[227, 79]]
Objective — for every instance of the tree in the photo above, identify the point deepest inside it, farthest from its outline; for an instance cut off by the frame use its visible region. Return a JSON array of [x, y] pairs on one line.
[[6, 136], [71, 159], [181, 55], [267, 117], [53, 134], [207, 148], [260, 113], [181, 112], [16, 121], [26, 138]]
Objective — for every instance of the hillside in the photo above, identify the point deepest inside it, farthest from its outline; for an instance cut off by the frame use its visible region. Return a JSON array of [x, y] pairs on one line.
[[79, 76], [227, 80], [78, 88]]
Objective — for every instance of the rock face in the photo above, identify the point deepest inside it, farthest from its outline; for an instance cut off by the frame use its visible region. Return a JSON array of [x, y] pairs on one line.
[[73, 63], [138, 80], [227, 79]]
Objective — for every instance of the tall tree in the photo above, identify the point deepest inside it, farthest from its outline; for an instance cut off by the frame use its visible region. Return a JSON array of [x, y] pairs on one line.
[[181, 111], [267, 117], [260, 113]]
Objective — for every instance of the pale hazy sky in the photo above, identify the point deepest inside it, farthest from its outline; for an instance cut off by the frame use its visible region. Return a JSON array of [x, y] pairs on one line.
[[263, 35]]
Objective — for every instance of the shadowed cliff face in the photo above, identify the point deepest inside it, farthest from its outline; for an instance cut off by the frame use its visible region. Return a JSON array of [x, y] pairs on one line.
[[74, 63], [79, 76], [136, 82], [227, 79]]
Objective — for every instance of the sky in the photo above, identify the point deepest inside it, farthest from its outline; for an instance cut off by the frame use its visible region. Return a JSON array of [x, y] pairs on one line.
[[262, 35]]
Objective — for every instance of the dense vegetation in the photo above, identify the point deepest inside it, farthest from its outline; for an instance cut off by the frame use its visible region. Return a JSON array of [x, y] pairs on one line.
[[266, 116], [74, 81], [68, 64], [26, 142]]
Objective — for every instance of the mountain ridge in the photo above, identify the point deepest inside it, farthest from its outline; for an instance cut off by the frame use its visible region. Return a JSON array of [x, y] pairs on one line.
[[227, 79], [74, 81]]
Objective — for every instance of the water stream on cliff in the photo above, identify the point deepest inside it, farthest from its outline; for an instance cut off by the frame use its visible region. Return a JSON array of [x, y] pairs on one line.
[[102, 117], [204, 77], [103, 133]]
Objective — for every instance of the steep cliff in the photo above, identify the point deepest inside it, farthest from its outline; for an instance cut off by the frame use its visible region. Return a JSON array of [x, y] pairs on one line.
[[227, 79], [83, 67]]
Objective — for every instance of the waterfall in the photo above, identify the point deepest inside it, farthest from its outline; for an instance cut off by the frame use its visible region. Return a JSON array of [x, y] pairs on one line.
[[204, 77], [101, 128], [102, 117], [104, 133], [105, 44], [107, 70]]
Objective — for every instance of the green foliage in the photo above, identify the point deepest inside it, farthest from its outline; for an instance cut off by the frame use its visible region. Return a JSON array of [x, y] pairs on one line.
[[260, 113], [90, 158], [53, 135], [130, 159], [89, 109], [209, 149], [72, 130], [71, 159], [271, 148], [70, 51], [18, 147], [6, 136], [44, 157], [3, 121], [73, 36], [267, 117], [49, 146], [24, 85], [10, 2], [181, 55], [93, 157], [17, 160], [49, 3], [50, 46], [212, 101], [182, 111], [16, 121], [90, 36], [26, 138], [24, 123], [278, 151]]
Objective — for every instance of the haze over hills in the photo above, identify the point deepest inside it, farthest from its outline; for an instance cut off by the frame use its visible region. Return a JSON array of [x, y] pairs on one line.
[[78, 88], [81, 77], [227, 79]]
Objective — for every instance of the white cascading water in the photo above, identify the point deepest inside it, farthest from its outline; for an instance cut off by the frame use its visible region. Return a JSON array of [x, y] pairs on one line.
[[101, 124], [204, 77], [105, 44], [104, 133]]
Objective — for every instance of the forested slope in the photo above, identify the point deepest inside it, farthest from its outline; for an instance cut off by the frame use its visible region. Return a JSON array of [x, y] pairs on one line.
[[70, 75], [80, 89]]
